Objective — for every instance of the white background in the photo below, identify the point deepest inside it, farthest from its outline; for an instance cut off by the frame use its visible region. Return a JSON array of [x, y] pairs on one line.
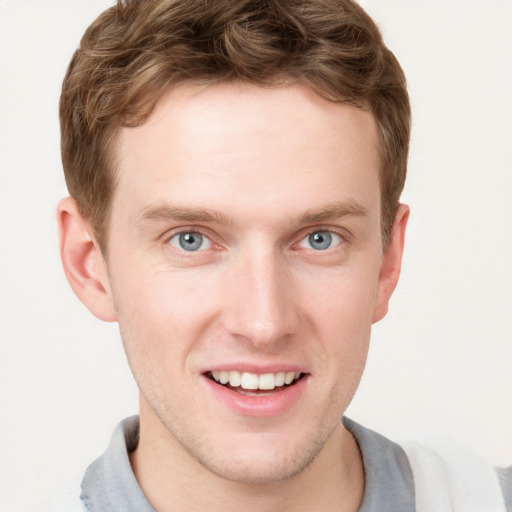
[[441, 363]]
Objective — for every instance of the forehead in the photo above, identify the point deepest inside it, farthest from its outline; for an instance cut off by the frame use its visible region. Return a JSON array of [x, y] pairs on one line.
[[238, 145]]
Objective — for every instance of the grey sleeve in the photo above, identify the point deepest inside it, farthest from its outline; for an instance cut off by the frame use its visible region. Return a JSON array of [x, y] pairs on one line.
[[505, 476]]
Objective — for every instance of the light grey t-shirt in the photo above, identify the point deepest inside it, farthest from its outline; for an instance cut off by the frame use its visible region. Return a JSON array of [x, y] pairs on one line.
[[109, 484]]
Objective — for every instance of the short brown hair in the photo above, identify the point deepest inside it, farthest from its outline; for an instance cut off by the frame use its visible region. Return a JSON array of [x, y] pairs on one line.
[[137, 49]]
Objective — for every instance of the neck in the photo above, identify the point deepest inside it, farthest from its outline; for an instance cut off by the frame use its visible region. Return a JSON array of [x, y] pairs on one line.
[[173, 480]]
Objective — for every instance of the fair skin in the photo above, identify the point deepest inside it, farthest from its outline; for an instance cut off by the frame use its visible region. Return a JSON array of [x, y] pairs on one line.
[[244, 238]]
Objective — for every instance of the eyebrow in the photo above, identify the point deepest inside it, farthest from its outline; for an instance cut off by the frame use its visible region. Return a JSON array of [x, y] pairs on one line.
[[164, 212], [329, 212], [334, 211]]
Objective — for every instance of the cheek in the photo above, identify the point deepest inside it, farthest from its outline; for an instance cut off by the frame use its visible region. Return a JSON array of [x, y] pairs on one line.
[[341, 317], [162, 310], [344, 301]]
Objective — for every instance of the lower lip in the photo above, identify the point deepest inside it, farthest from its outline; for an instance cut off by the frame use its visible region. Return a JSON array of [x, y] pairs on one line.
[[258, 405]]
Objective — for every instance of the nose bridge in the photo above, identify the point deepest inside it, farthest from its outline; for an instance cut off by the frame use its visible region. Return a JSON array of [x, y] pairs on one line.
[[261, 306]]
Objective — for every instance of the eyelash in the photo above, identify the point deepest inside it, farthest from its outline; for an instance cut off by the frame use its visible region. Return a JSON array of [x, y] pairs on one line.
[[189, 232], [331, 237], [341, 238]]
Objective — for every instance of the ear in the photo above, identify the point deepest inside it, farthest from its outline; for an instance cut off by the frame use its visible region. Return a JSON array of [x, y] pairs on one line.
[[391, 263], [83, 262]]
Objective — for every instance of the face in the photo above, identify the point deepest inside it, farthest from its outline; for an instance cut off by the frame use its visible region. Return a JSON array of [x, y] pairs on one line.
[[245, 260]]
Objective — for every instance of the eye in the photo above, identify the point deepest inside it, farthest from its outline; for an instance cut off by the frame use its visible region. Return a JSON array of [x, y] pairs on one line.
[[190, 241], [320, 240]]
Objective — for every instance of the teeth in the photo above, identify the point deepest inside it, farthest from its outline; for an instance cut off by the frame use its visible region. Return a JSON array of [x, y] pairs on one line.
[[267, 381], [252, 381], [288, 379], [249, 381], [235, 379]]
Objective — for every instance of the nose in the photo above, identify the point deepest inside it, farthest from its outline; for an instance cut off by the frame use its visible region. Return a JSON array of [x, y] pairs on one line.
[[260, 304]]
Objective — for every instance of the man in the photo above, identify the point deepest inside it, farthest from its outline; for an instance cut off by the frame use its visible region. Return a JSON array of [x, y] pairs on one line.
[[235, 171]]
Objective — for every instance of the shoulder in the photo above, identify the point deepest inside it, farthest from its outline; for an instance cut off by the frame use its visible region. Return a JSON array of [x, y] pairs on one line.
[[433, 476], [389, 485], [67, 504], [505, 477], [449, 477], [66, 500]]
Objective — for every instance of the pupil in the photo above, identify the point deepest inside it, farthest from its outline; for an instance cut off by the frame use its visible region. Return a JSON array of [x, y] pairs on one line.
[[191, 241], [320, 240]]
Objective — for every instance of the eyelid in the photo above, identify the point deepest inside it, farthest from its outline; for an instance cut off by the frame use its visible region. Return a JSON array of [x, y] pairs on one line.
[[189, 229], [343, 234], [334, 234], [178, 246]]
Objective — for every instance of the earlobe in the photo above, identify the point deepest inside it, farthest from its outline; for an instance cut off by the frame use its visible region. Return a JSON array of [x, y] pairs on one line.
[[391, 263], [83, 261]]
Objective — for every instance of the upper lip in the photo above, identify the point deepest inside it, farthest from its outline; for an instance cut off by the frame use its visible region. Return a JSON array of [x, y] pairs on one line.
[[255, 368]]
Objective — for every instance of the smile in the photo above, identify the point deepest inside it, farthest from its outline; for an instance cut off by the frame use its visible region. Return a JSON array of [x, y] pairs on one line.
[[246, 381], [262, 394]]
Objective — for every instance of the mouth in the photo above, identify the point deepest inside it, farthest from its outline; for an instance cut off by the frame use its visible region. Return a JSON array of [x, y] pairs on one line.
[[253, 384]]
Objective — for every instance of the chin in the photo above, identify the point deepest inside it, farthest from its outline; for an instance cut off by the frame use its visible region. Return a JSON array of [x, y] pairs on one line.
[[257, 469], [258, 459]]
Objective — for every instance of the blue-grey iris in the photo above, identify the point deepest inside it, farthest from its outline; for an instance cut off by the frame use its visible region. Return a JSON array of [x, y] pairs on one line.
[[190, 241], [320, 240]]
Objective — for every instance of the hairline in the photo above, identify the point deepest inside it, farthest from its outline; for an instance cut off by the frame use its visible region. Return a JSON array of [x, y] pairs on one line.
[[280, 80]]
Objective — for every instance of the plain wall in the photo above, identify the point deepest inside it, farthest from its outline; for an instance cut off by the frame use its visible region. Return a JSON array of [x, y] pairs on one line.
[[440, 363]]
